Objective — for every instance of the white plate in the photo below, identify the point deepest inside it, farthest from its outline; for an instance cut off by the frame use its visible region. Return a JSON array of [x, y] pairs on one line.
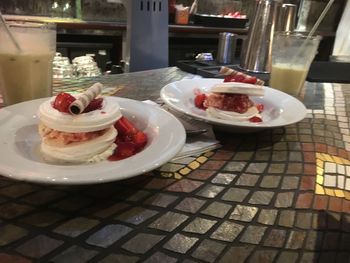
[[280, 109], [19, 144]]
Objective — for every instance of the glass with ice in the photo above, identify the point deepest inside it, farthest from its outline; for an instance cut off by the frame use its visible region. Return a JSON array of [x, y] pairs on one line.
[[26, 74], [292, 54]]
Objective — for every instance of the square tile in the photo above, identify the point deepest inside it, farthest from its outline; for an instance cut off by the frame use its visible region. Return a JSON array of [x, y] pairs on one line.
[[235, 194], [253, 234], [208, 250], [136, 215], [239, 253], [180, 243], [244, 213], [341, 181], [190, 205], [75, 254], [247, 179], [200, 225], [276, 238], [217, 209], [210, 191], [261, 198], [227, 231], [270, 181], [39, 246], [169, 221], [142, 243], [161, 200], [330, 180], [11, 233], [76, 226], [158, 257], [267, 216], [224, 178], [108, 235]]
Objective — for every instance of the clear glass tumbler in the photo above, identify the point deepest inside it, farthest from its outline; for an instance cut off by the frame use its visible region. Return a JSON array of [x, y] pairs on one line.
[[292, 55], [26, 74]]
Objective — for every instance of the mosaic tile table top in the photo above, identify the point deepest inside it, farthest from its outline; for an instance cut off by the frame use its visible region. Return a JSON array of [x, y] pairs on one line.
[[280, 195]]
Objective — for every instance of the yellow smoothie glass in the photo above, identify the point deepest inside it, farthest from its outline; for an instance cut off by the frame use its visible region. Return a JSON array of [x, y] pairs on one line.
[[292, 54], [26, 74]]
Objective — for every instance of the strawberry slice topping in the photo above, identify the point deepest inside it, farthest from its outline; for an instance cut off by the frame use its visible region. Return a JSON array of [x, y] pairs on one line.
[[62, 102], [229, 78], [95, 104], [255, 119], [240, 77], [139, 139], [250, 80], [130, 140], [199, 101], [125, 127]]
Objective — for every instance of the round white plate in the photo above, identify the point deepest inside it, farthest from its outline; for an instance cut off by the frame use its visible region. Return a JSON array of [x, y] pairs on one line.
[[280, 109], [20, 157]]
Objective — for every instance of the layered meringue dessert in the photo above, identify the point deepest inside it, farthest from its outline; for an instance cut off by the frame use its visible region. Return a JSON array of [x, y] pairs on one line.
[[86, 129], [82, 138], [231, 101]]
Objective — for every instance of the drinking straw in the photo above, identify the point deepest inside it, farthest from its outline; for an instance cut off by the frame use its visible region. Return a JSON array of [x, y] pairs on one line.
[[320, 18], [312, 31], [12, 37]]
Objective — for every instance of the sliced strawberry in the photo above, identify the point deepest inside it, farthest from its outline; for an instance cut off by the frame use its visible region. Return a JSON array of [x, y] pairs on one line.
[[140, 140], [62, 102], [125, 127], [250, 80], [124, 150], [255, 119], [229, 78], [260, 107], [199, 101], [95, 104], [239, 77]]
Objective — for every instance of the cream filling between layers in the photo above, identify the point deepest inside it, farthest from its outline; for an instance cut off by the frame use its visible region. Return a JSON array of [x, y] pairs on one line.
[[94, 150], [231, 115]]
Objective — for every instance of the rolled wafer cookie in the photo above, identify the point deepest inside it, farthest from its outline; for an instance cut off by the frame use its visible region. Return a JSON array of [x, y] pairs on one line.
[[229, 71], [79, 105]]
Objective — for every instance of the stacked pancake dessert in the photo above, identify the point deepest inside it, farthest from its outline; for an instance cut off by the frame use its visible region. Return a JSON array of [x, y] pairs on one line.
[[78, 129], [231, 101]]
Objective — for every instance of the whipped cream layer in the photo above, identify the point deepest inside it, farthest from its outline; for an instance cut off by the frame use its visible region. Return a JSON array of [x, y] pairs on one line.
[[86, 122], [94, 150], [231, 115]]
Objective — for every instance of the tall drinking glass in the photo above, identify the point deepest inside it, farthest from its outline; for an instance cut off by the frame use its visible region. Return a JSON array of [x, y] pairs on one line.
[[27, 74], [292, 54]]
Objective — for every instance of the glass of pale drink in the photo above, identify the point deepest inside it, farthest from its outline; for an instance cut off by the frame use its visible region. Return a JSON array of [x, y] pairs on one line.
[[292, 54], [26, 73]]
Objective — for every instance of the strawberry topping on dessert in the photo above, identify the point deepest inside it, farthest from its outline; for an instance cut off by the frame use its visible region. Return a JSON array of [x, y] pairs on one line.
[[232, 101], [63, 100], [130, 140], [95, 104], [199, 101]]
